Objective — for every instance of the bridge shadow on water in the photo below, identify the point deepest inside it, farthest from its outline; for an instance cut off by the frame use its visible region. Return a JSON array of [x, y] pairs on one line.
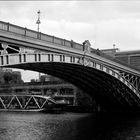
[[110, 126], [106, 126]]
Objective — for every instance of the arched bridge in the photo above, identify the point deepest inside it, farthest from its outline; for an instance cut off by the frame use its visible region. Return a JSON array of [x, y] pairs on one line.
[[113, 85]]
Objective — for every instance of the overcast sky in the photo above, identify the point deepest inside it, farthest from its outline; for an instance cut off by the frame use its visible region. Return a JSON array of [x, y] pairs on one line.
[[103, 23]]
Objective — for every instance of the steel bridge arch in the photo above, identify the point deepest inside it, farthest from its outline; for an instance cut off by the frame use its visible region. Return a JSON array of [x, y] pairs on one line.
[[58, 63]]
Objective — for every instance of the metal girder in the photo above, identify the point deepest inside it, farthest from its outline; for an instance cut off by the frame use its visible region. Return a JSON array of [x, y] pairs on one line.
[[8, 102], [7, 48], [132, 79]]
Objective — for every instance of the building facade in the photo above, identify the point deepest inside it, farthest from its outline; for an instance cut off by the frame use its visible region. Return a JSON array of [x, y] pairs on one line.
[[128, 57]]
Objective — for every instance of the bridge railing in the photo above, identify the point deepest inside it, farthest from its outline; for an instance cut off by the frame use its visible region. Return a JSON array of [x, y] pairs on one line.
[[38, 35]]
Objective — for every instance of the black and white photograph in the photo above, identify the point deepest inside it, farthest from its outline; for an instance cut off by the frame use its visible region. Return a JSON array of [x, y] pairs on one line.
[[70, 70]]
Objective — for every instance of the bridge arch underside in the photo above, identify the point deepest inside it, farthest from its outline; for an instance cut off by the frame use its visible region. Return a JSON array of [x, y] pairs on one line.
[[106, 90]]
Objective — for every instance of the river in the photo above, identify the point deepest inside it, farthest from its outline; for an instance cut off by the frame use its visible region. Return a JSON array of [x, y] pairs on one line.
[[68, 126]]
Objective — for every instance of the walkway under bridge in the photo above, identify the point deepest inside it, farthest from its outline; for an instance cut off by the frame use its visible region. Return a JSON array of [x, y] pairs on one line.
[[25, 102]]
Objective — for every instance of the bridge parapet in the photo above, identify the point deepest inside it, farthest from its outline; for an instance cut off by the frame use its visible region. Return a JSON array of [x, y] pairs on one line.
[[10, 28]]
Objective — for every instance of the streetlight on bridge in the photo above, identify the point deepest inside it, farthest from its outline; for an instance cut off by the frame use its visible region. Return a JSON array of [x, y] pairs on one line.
[[38, 22]]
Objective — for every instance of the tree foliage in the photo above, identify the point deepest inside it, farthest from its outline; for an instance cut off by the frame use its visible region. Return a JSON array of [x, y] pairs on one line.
[[83, 99], [10, 77]]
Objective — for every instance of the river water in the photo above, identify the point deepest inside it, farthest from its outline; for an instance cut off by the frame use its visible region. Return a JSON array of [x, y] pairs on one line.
[[68, 126]]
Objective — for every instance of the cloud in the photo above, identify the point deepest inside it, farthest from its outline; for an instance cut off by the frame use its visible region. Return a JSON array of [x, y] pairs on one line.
[[124, 33], [77, 31], [129, 7], [74, 11]]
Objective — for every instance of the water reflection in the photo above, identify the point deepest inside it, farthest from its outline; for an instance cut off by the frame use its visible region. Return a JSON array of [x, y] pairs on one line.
[[36, 126], [68, 126]]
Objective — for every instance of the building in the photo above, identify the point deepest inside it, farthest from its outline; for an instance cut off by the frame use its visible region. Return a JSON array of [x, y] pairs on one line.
[[128, 57], [110, 52]]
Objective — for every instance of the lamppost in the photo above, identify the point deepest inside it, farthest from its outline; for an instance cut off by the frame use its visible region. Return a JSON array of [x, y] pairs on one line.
[[38, 23], [114, 45], [38, 20]]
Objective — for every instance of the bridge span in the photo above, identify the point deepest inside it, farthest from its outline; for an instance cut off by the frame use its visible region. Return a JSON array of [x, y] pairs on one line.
[[114, 85]]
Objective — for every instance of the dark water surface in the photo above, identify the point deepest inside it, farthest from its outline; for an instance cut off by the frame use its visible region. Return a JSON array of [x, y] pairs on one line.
[[68, 126], [40, 126]]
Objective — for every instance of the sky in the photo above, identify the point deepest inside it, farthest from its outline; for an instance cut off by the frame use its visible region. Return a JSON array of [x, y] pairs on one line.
[[103, 23]]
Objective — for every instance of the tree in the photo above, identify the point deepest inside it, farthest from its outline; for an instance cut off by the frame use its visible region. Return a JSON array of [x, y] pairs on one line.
[[83, 99], [12, 77], [7, 77]]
